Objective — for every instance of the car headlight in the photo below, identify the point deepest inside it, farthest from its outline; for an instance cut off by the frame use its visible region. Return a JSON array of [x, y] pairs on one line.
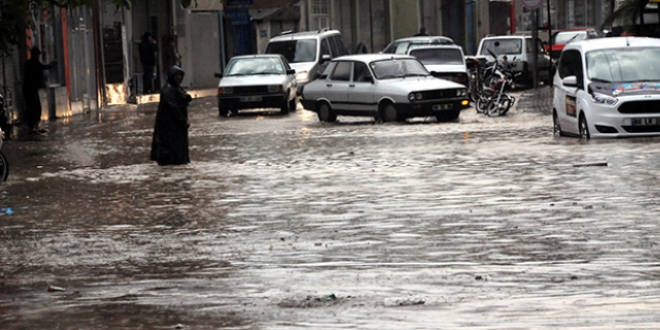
[[415, 96], [461, 92], [275, 88], [604, 99], [225, 90], [302, 76]]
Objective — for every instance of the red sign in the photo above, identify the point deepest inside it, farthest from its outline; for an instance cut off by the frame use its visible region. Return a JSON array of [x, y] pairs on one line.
[[532, 4]]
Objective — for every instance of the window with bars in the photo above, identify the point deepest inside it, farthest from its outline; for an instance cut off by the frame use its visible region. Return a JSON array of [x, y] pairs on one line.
[[320, 13]]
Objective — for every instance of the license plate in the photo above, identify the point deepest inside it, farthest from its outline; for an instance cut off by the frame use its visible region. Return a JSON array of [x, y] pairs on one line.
[[645, 121], [447, 106], [251, 99]]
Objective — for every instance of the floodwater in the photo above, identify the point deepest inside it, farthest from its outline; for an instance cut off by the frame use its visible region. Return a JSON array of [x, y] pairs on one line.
[[483, 223]]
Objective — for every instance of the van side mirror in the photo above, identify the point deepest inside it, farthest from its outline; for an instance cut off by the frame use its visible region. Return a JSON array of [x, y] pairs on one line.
[[218, 75], [291, 71], [325, 58], [570, 81]]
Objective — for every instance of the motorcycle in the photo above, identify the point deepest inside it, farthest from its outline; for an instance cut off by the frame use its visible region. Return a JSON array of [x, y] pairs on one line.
[[4, 164], [493, 100]]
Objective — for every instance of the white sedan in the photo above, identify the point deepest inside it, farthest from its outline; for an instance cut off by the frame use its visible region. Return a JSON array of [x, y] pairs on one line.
[[608, 87], [384, 86], [257, 81]]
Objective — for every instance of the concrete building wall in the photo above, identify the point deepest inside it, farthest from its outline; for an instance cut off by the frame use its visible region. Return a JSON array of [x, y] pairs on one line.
[[404, 18]]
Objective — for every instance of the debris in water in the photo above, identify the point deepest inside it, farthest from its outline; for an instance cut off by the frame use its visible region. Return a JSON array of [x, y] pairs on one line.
[[407, 301], [590, 164], [52, 288], [328, 297]]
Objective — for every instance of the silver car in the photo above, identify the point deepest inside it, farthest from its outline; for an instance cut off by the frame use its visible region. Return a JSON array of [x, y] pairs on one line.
[[386, 87], [257, 81]]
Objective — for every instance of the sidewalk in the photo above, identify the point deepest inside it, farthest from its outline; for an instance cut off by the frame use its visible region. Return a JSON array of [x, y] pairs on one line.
[[537, 100]]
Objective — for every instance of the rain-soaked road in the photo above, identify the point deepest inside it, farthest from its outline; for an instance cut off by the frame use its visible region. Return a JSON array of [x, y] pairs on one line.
[[485, 220]]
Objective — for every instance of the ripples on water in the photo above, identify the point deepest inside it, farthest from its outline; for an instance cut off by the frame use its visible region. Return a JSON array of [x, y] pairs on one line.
[[487, 219]]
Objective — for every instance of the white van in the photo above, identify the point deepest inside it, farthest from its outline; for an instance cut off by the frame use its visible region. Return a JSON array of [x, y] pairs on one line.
[[519, 51], [308, 52]]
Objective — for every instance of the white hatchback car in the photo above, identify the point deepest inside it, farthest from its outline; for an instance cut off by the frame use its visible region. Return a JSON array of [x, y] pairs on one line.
[[608, 87], [444, 61], [384, 86]]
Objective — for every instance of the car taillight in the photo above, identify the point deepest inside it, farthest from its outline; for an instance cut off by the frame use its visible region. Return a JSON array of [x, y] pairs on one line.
[[219, 90]]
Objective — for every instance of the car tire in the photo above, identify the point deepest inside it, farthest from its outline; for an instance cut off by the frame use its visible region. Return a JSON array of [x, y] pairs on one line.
[[556, 126], [583, 128], [293, 104], [325, 113], [448, 116], [390, 114], [286, 107], [223, 111]]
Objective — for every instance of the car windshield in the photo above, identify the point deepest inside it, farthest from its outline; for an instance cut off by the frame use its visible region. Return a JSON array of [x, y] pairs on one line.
[[295, 51], [430, 56], [624, 65], [247, 66], [511, 46], [398, 68], [402, 46], [566, 37]]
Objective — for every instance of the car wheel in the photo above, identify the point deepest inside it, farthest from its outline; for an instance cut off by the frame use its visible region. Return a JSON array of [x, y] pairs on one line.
[[389, 113], [556, 130], [223, 111], [325, 113], [448, 116], [293, 104], [285, 108], [584, 128]]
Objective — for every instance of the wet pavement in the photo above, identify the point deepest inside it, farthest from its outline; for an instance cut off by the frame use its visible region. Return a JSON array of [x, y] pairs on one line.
[[282, 222]]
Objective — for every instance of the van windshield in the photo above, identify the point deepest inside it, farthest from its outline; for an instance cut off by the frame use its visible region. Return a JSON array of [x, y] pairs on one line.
[[624, 65], [295, 51], [500, 46]]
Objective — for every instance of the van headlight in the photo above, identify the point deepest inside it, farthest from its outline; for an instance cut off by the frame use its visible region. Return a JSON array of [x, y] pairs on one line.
[[604, 99], [302, 76]]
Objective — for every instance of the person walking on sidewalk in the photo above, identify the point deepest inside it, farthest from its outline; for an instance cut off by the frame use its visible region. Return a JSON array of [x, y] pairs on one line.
[[148, 49], [170, 139], [33, 79]]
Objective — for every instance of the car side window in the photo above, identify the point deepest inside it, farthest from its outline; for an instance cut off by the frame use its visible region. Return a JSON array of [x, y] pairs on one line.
[[333, 46], [361, 73], [570, 64], [325, 48], [340, 45], [342, 71]]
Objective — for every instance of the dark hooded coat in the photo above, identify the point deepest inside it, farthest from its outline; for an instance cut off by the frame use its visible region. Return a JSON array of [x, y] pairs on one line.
[[170, 139], [33, 79]]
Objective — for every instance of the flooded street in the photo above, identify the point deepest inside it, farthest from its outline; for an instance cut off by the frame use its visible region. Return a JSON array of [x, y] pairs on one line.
[[283, 222]]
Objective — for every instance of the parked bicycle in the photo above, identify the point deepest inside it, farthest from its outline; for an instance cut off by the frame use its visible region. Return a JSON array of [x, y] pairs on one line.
[[497, 80]]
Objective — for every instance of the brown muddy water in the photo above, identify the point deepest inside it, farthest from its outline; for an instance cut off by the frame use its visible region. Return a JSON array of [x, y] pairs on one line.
[[484, 223]]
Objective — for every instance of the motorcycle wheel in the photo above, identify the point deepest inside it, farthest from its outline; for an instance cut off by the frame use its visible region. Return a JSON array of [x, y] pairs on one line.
[[497, 108], [4, 168], [482, 102]]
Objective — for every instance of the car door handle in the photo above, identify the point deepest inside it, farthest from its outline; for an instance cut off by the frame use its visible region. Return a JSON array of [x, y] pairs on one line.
[[328, 85], [351, 85]]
